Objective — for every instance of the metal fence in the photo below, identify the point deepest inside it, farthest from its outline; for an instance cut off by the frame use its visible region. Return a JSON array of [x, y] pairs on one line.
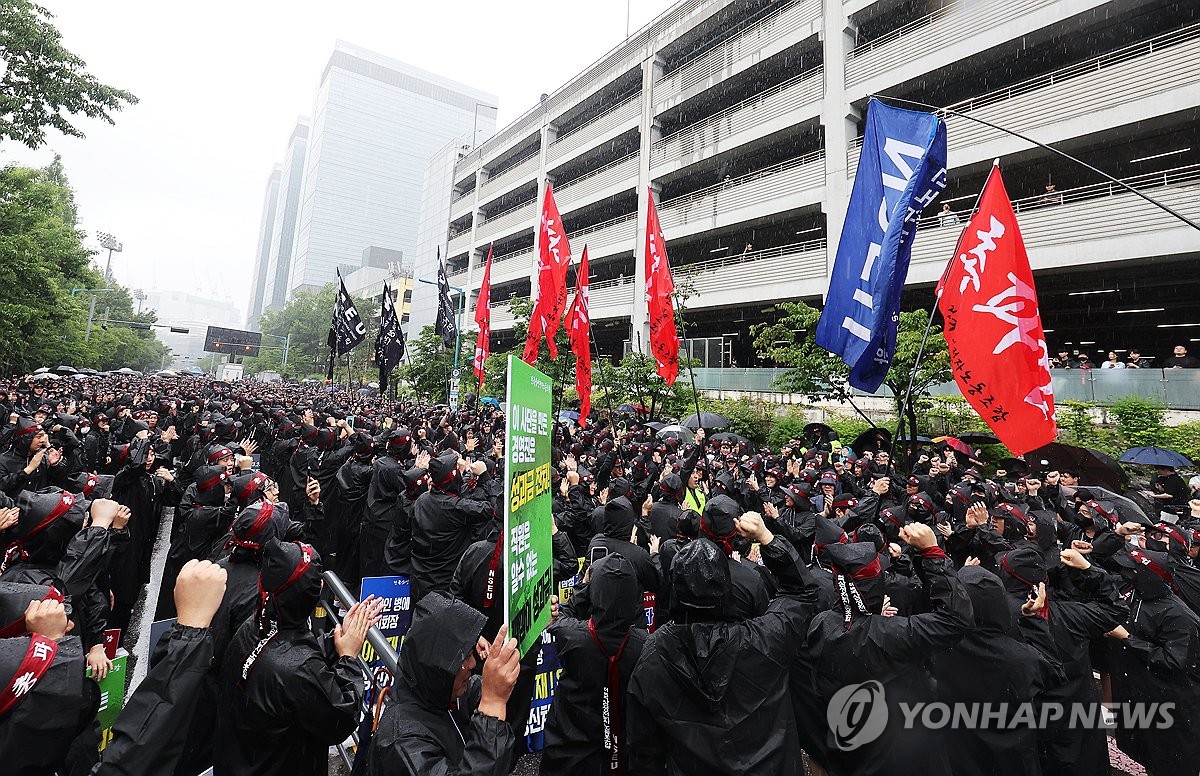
[[1177, 389]]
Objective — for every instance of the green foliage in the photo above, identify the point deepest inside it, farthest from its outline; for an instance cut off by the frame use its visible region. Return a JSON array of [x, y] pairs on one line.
[[1185, 438], [306, 318], [850, 426], [428, 374], [791, 342], [785, 429], [44, 84], [751, 418], [42, 259], [1139, 420]]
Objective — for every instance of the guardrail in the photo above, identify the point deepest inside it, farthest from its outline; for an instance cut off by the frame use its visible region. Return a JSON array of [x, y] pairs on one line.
[[335, 592], [1177, 389]]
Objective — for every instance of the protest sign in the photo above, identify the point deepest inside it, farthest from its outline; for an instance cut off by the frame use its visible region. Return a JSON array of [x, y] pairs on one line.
[[527, 519], [393, 623], [112, 697]]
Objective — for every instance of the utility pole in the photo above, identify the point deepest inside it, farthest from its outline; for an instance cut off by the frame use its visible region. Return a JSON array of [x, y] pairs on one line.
[[87, 336]]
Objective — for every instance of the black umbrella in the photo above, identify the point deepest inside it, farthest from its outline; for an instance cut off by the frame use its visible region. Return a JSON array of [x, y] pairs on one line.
[[1134, 508], [705, 420], [655, 424], [873, 439], [1013, 466], [63, 369], [1094, 467], [979, 438], [732, 438], [919, 439], [88, 371]]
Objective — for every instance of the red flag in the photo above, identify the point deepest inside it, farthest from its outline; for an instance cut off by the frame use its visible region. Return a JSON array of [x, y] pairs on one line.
[[579, 329], [554, 258], [664, 342], [993, 326], [483, 319]]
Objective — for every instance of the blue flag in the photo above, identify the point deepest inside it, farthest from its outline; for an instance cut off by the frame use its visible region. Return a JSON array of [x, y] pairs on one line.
[[901, 170]]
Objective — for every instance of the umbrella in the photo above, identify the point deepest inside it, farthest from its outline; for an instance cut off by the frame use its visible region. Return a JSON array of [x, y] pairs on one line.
[[956, 445], [127, 371], [705, 420], [41, 371], [636, 409], [44, 376], [1129, 510], [732, 438], [88, 371], [1013, 466], [655, 424], [166, 373], [1095, 468], [568, 415], [979, 438], [818, 432], [684, 435], [873, 439], [919, 439], [63, 369], [491, 401], [1155, 456]]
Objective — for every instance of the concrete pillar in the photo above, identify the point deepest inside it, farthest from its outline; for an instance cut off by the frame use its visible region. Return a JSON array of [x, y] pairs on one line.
[[840, 121], [651, 133], [549, 132]]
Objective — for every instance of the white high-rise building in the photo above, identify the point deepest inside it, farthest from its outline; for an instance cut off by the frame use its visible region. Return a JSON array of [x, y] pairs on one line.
[[376, 122]]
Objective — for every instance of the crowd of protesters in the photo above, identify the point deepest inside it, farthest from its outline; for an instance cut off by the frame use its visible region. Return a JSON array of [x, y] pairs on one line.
[[780, 578]]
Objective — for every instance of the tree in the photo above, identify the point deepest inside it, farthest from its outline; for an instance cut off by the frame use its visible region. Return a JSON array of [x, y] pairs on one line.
[[44, 83], [817, 373], [306, 319], [428, 373]]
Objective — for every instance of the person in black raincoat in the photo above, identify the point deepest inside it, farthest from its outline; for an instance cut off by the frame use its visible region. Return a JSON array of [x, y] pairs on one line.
[[43, 705], [854, 644], [444, 525], [991, 666], [707, 696], [30, 463], [285, 696], [52, 547], [202, 518], [383, 494], [397, 553], [345, 503], [136, 487], [598, 644], [618, 518], [444, 720], [1156, 659]]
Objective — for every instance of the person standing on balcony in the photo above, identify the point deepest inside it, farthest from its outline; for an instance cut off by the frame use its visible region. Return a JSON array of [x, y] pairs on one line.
[[1113, 362], [1181, 359], [947, 217], [1135, 361]]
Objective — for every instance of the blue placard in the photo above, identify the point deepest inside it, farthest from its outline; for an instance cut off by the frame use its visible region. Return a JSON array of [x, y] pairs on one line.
[[393, 623]]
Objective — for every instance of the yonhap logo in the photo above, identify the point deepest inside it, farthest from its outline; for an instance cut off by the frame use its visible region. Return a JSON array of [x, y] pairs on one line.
[[857, 715]]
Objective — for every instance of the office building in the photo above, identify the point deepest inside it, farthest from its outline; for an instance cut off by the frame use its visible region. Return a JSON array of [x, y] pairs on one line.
[[745, 117], [259, 278], [436, 186], [375, 124], [193, 312]]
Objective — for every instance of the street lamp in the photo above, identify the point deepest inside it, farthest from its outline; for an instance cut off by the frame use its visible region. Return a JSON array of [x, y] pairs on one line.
[[112, 244], [91, 307]]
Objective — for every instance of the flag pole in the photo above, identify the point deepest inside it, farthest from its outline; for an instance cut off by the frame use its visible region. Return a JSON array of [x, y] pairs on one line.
[[1050, 148], [607, 397], [691, 373], [912, 375]]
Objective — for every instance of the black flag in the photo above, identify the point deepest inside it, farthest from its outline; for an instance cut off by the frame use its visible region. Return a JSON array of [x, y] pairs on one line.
[[346, 330], [389, 345], [446, 325]]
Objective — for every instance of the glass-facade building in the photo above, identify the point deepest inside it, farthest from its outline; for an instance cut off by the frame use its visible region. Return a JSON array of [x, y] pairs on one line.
[[375, 124]]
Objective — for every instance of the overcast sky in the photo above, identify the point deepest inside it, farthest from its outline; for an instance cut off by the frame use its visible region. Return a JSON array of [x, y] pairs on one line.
[[180, 178]]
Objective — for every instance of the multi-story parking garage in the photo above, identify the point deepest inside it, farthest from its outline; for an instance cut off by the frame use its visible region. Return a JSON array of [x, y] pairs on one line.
[[744, 116]]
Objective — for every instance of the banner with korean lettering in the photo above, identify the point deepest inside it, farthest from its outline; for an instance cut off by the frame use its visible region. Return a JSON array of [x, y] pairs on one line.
[[527, 499], [483, 320], [554, 259], [901, 170], [660, 293], [994, 326], [394, 619], [579, 330]]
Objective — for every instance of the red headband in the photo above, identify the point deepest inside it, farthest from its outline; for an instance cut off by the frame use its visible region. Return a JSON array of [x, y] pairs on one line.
[[1158, 571], [38, 658], [869, 571], [260, 522], [248, 489]]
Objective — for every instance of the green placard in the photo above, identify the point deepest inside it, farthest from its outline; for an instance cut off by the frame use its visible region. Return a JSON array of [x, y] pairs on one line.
[[112, 697], [528, 547]]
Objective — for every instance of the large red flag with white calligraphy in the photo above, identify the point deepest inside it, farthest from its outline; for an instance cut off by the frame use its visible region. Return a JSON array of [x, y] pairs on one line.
[[993, 326], [483, 319], [579, 328], [664, 341], [554, 258]]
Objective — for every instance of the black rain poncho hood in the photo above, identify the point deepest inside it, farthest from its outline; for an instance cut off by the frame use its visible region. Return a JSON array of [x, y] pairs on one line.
[[443, 632]]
